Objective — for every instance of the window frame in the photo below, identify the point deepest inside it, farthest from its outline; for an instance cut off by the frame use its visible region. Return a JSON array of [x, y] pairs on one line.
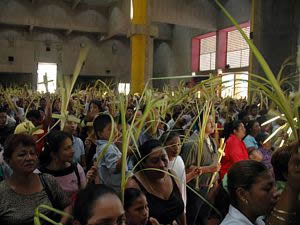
[[221, 51], [196, 50], [222, 45]]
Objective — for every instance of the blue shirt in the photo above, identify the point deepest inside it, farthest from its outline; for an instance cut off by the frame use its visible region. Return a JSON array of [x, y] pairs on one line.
[[107, 168], [250, 142], [78, 149]]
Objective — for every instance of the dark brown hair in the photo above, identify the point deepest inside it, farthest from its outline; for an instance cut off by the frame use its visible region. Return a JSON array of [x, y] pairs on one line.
[[14, 141]]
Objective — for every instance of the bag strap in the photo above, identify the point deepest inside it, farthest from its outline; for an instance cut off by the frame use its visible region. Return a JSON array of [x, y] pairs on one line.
[[47, 190], [75, 168], [1, 173]]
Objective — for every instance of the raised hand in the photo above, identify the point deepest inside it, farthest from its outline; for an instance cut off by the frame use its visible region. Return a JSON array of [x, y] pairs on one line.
[[91, 174], [153, 221]]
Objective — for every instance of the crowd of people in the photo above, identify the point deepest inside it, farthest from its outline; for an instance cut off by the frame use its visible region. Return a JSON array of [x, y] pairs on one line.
[[171, 178]]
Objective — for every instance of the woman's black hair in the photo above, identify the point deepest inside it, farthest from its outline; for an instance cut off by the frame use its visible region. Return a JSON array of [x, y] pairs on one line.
[[86, 199], [130, 195], [168, 136], [249, 126], [53, 143], [243, 174], [98, 104], [253, 106], [100, 123], [280, 160], [3, 109], [261, 137], [242, 115], [53, 104], [14, 141], [148, 146], [230, 127], [35, 114]]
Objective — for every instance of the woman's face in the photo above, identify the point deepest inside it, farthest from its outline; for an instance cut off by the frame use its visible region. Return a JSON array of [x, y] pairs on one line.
[[23, 159], [94, 109], [254, 111], [105, 134], [255, 129], [210, 127], [129, 113], [107, 210], [70, 127], [173, 147], [262, 195], [138, 213], [3, 119], [57, 105], [157, 159], [66, 152], [240, 132]]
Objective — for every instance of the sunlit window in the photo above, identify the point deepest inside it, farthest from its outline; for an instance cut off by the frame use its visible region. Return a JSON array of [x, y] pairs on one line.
[[124, 88], [47, 73], [131, 9], [235, 85]]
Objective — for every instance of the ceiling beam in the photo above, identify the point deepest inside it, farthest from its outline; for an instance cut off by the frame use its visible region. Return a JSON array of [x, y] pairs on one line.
[[31, 27], [75, 3], [68, 32]]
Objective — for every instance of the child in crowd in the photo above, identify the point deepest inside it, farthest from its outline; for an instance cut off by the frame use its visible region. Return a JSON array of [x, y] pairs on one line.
[[109, 167]]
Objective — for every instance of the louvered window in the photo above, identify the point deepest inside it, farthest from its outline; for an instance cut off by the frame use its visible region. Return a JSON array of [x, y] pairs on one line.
[[208, 53], [237, 49]]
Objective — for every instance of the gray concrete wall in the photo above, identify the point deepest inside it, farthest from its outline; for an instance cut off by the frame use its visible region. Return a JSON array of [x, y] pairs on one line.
[[199, 14], [239, 9], [119, 18], [112, 55], [174, 58], [179, 21], [53, 14], [56, 25], [276, 35], [26, 29]]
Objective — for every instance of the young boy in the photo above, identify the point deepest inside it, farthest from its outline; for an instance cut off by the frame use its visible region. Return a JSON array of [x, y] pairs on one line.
[[109, 167]]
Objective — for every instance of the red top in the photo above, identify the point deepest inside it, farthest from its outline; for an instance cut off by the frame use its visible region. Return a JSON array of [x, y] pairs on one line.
[[39, 145], [235, 151]]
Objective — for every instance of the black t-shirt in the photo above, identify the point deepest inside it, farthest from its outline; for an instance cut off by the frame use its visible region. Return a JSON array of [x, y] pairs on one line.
[[5, 132]]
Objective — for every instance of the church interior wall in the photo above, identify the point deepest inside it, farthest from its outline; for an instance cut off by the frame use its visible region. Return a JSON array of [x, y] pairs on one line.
[[241, 12], [26, 29]]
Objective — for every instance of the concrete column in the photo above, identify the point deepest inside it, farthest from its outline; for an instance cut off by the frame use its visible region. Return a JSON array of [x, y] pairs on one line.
[[275, 32]]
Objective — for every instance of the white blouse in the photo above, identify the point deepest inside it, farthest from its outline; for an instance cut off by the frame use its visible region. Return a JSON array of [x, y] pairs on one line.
[[235, 217], [177, 165]]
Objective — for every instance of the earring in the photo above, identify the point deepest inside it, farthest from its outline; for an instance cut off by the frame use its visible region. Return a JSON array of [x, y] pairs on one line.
[[245, 201]]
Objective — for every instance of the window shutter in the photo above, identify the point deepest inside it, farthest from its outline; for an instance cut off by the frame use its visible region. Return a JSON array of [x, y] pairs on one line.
[[208, 53], [237, 49]]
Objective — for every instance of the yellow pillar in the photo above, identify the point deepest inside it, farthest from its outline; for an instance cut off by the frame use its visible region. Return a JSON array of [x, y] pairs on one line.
[[139, 45]]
